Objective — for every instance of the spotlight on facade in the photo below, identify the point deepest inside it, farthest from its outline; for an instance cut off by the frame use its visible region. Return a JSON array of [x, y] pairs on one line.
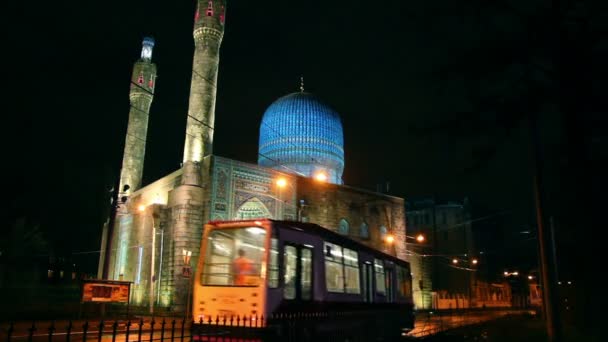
[[454, 261], [389, 239], [321, 176], [141, 208], [420, 238], [281, 182]]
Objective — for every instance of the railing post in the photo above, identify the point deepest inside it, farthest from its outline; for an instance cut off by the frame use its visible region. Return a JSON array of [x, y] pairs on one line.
[[31, 332], [141, 326], [51, 331], [9, 333], [114, 327], [183, 327], [162, 330], [172, 329], [128, 330], [152, 322], [68, 331], [100, 332], [85, 330]]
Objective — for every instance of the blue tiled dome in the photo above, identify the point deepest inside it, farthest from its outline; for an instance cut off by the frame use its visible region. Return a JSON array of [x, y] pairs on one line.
[[301, 134]]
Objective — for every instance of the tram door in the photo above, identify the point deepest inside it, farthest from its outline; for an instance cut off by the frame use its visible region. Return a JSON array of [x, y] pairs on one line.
[[368, 275], [390, 291], [297, 261]]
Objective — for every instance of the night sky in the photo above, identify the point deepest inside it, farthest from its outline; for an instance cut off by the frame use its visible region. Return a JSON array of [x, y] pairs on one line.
[[426, 92]]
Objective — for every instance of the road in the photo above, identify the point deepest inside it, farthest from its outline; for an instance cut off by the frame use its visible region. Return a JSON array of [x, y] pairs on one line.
[[428, 323]]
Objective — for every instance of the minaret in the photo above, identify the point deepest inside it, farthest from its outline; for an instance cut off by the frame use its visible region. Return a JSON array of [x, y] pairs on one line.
[[208, 32], [141, 95], [186, 201]]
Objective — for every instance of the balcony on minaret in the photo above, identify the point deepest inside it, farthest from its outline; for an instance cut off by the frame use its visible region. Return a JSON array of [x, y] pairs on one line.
[[146, 50]]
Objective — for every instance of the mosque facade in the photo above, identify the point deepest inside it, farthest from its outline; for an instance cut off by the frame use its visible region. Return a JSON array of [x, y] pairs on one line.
[[301, 144]]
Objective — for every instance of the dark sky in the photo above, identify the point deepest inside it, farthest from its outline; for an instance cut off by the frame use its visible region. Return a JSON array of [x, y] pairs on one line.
[[406, 77]]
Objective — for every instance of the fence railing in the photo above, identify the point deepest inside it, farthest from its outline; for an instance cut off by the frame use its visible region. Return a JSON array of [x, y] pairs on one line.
[[314, 326]]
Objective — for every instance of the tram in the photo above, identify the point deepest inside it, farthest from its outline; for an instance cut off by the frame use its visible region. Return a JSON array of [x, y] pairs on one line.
[[256, 268]]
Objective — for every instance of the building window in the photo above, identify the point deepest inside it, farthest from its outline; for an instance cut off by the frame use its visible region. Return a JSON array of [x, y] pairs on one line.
[[140, 79], [364, 231], [344, 227], [383, 232]]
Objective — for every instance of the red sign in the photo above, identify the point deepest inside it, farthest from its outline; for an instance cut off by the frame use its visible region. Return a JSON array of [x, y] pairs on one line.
[[105, 291]]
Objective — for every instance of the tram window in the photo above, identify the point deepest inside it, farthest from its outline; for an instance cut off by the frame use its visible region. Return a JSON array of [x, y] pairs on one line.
[[233, 257], [404, 282], [334, 269], [306, 273], [351, 271], [290, 261], [380, 278], [273, 265]]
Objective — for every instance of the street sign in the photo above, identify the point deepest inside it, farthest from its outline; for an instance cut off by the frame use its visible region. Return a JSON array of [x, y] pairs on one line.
[[186, 271], [105, 291]]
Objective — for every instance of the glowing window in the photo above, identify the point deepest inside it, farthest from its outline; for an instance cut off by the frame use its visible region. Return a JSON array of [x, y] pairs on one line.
[[341, 269], [210, 9], [151, 82]]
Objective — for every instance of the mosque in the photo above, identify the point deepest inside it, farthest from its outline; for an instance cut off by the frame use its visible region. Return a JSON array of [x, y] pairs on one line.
[[298, 177]]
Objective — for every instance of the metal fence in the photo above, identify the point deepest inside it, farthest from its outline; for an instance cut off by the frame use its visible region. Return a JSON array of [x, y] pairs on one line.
[[318, 326]]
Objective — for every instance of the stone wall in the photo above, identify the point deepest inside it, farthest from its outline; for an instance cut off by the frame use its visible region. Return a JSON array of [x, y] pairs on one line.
[[369, 216]]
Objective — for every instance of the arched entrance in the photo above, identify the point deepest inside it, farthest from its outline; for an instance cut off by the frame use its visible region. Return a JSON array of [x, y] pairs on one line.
[[253, 208]]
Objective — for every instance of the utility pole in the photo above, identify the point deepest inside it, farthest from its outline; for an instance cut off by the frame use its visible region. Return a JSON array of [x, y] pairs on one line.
[[547, 260]]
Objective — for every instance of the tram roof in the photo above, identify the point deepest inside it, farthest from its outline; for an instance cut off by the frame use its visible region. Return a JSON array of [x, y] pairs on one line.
[[317, 230]]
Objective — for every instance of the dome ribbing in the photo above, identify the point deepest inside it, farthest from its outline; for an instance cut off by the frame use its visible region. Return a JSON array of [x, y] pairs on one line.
[[301, 134]]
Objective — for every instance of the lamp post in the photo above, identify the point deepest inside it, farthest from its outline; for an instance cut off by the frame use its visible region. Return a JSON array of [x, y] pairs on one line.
[[142, 208], [187, 255], [418, 242]]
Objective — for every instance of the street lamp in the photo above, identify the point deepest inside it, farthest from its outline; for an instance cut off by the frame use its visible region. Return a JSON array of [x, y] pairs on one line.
[[454, 261], [474, 261]]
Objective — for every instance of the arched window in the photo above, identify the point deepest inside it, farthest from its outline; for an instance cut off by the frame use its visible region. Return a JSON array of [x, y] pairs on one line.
[[210, 9], [364, 231], [344, 227], [140, 79], [383, 232]]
